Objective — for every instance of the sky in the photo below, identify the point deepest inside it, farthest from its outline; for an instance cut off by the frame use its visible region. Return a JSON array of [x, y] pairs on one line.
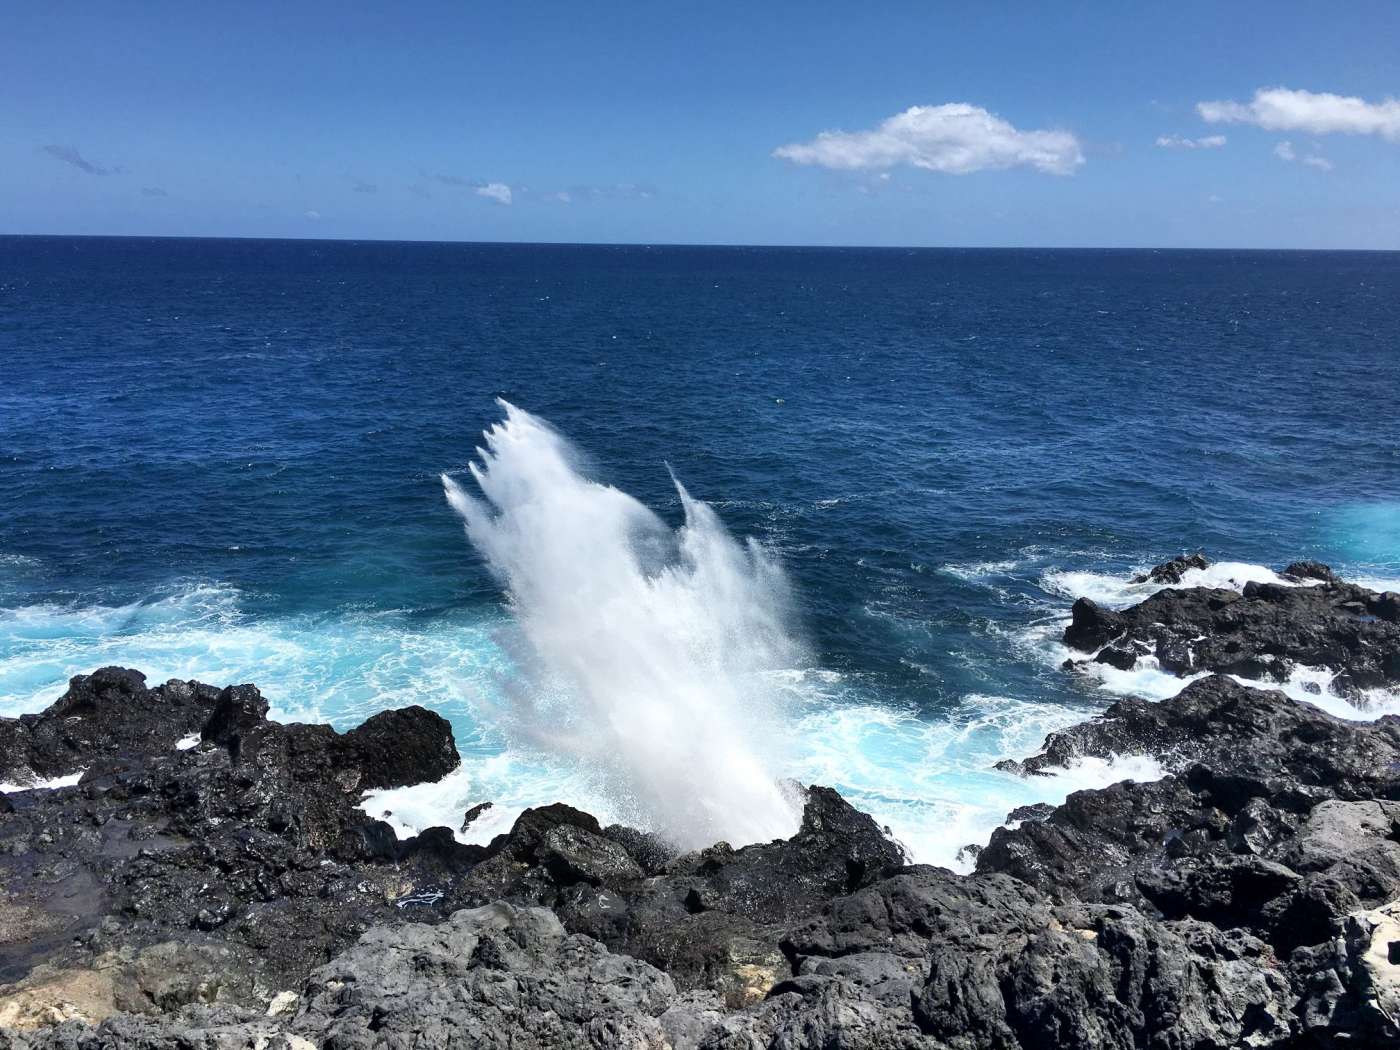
[[1253, 125]]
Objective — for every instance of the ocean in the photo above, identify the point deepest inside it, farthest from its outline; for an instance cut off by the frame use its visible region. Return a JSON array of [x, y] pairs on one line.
[[223, 460]]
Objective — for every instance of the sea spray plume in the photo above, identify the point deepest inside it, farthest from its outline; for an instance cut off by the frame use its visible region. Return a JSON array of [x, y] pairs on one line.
[[657, 641]]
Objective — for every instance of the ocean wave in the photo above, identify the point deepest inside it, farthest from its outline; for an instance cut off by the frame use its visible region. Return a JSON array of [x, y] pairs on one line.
[[928, 778], [337, 667], [930, 783]]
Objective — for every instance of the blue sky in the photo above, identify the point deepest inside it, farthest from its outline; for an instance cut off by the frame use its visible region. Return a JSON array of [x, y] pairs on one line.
[[699, 122]]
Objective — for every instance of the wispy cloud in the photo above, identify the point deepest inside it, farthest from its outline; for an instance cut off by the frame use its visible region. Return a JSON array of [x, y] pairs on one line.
[[1284, 151], [70, 155], [615, 191], [955, 139], [499, 192], [1284, 109], [153, 191], [313, 214], [360, 186], [496, 191], [1178, 142]]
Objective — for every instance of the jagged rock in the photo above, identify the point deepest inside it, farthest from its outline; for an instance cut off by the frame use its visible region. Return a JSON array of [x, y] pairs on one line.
[[1310, 570], [1261, 633], [238, 709], [1222, 723], [409, 745], [107, 714], [711, 919], [469, 817], [496, 976], [251, 855], [1091, 627], [1172, 571], [1117, 656], [234, 895]]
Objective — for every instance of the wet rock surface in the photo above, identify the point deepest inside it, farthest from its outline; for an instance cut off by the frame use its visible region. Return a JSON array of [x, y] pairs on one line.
[[1264, 632], [233, 894]]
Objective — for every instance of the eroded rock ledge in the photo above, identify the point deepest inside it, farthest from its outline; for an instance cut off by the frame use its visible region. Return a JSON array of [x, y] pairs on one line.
[[1314, 620], [232, 894]]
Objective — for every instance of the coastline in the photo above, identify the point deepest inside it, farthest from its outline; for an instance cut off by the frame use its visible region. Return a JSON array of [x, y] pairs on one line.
[[233, 893]]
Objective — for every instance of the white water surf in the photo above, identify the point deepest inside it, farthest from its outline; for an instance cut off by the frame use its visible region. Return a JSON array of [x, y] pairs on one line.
[[648, 647]]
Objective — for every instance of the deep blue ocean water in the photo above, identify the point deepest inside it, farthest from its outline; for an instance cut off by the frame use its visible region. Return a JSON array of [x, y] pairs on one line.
[[220, 459]]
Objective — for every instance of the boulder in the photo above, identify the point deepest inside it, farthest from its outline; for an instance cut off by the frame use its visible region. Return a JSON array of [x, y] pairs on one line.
[[1171, 572]]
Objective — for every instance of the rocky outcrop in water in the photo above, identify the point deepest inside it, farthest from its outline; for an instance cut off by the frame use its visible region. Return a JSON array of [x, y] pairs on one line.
[[1265, 632], [233, 894]]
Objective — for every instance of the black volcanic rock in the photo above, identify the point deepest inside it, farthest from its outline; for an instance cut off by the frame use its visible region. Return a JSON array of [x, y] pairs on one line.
[[1222, 723], [712, 918], [237, 709], [234, 895], [1262, 633], [410, 745], [107, 714], [1281, 823], [1172, 571], [252, 846], [1310, 570], [1091, 626]]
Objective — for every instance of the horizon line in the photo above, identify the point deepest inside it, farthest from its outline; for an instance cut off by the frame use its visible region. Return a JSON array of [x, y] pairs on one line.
[[685, 244]]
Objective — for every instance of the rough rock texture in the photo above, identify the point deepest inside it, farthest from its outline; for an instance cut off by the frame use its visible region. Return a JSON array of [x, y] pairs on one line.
[[1262, 633], [233, 894], [250, 856], [1172, 571]]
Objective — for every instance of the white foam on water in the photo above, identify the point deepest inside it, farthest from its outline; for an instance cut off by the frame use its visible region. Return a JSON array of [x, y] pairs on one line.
[[1146, 679], [511, 781], [927, 778], [648, 645], [1376, 583], [1117, 591], [1042, 644], [976, 571], [44, 785], [339, 668], [1314, 685], [932, 783]]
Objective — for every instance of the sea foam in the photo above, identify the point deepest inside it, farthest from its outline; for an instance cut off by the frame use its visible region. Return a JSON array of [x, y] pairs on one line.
[[647, 645]]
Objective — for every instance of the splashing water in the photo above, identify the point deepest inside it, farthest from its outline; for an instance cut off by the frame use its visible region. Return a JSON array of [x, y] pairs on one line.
[[649, 647]]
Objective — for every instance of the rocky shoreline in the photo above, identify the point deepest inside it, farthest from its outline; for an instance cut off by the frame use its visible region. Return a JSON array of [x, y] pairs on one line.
[[210, 880]]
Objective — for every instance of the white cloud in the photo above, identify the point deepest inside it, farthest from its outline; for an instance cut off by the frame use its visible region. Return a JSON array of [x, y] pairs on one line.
[[496, 191], [564, 197], [1283, 109], [313, 215], [955, 139], [1284, 151], [1177, 142]]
